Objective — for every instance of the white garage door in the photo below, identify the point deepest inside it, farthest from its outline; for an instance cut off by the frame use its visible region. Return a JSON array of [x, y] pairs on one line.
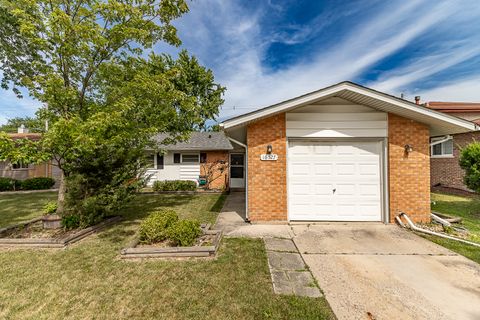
[[334, 181]]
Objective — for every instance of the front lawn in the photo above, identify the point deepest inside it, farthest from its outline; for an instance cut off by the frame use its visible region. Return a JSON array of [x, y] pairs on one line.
[[20, 207], [468, 208], [88, 280]]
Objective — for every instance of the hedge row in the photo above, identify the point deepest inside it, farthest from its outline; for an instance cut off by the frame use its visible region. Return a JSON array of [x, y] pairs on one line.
[[175, 185], [39, 183]]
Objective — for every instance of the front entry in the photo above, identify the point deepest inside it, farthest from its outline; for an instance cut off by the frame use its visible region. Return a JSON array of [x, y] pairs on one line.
[[237, 170], [334, 181]]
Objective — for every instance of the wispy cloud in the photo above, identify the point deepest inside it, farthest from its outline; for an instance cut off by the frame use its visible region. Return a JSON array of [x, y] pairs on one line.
[[466, 90], [234, 45], [390, 45]]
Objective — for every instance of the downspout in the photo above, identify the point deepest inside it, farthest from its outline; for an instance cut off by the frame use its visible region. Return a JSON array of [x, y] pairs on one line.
[[415, 228], [246, 174]]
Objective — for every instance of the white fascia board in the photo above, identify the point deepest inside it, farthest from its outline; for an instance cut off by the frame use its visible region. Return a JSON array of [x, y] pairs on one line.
[[308, 98], [282, 106], [418, 109]]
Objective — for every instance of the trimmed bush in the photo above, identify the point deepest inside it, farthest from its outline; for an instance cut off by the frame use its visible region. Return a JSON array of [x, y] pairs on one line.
[[9, 184], [154, 227], [70, 222], [38, 183], [175, 185], [184, 232]]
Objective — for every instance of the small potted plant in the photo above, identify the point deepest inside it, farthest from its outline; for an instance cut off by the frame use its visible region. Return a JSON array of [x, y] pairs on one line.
[[51, 220]]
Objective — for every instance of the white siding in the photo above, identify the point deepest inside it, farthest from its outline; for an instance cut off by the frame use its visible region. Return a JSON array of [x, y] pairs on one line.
[[174, 171], [336, 121]]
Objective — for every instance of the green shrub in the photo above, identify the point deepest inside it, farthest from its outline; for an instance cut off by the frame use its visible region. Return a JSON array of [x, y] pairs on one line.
[[38, 183], [470, 162], [71, 221], [184, 232], [175, 185], [9, 184], [154, 227], [50, 207]]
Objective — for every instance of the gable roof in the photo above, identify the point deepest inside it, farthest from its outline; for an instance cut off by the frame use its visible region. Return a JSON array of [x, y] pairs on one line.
[[440, 123], [205, 141], [454, 107]]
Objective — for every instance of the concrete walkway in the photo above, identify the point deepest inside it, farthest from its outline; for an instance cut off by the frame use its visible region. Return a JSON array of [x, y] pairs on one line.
[[368, 270], [289, 272], [232, 221]]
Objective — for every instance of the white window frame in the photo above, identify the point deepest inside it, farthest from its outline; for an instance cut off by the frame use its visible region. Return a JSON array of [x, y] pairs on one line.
[[190, 154], [22, 165], [154, 161], [441, 142]]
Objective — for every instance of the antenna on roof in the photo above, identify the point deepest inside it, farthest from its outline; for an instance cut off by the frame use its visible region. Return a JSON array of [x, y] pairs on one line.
[[402, 95]]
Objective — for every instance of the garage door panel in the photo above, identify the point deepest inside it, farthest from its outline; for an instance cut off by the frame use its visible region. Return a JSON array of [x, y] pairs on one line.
[[352, 169], [322, 169]]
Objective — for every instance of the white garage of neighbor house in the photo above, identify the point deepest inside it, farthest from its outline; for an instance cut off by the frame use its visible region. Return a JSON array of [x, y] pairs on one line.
[[185, 160], [342, 153]]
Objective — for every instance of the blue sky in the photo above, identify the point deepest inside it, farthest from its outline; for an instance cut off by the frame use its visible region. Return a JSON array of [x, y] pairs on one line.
[[268, 51]]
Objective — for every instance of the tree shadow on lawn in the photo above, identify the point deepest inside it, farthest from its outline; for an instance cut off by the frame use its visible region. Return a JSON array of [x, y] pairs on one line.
[[139, 208], [16, 208]]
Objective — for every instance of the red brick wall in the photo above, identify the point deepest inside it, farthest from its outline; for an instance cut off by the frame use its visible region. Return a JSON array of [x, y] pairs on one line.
[[409, 174], [447, 171], [220, 178], [267, 182]]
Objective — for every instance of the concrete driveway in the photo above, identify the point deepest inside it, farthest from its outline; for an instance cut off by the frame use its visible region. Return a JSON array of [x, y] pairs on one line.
[[373, 271]]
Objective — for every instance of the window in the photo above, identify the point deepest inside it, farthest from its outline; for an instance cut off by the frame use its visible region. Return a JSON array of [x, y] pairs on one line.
[[443, 149], [190, 158], [151, 161], [203, 157], [176, 158], [19, 165]]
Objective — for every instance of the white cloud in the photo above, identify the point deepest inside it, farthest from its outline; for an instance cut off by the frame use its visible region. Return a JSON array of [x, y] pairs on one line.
[[229, 37], [466, 90]]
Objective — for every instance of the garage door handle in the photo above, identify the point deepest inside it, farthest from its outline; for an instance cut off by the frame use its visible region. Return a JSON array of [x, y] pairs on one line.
[[334, 191]]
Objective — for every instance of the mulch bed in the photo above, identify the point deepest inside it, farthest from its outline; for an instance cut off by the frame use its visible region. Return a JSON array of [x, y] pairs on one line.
[[35, 230], [31, 234], [454, 191], [205, 245]]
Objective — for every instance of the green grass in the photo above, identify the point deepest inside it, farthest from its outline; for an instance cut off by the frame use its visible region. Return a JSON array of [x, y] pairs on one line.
[[468, 208], [15, 208], [88, 280]]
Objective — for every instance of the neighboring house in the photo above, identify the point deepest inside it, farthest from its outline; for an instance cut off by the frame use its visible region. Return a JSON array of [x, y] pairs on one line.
[[190, 159], [22, 171], [445, 151], [342, 153]]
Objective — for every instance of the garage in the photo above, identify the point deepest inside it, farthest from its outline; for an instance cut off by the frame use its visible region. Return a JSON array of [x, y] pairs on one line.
[[334, 180]]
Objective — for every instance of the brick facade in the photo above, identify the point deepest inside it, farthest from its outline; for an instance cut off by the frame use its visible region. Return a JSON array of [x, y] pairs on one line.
[[409, 174], [446, 172], [267, 181], [218, 171]]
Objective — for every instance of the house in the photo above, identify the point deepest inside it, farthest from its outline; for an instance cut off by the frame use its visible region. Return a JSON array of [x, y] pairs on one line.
[[188, 160], [445, 150], [342, 153], [23, 171]]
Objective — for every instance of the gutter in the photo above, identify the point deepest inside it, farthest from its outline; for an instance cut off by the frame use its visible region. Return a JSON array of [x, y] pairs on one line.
[[415, 228], [246, 174]]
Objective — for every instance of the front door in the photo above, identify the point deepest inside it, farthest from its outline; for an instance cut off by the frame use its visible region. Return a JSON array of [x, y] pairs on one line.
[[237, 170]]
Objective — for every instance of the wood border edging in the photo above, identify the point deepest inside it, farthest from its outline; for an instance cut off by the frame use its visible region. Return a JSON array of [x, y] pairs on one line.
[[52, 242]]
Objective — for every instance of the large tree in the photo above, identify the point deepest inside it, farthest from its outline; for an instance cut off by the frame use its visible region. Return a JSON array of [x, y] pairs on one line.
[[105, 92]]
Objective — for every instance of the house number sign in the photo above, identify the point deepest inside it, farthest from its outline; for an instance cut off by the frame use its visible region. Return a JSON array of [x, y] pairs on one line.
[[269, 157]]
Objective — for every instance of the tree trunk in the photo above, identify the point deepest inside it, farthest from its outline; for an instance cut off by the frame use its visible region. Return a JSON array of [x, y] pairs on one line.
[[62, 189]]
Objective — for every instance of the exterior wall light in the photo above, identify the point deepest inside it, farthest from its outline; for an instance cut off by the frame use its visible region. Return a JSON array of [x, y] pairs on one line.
[[269, 149], [408, 148]]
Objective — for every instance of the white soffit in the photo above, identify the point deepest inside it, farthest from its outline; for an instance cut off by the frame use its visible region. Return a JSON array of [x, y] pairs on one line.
[[438, 122]]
